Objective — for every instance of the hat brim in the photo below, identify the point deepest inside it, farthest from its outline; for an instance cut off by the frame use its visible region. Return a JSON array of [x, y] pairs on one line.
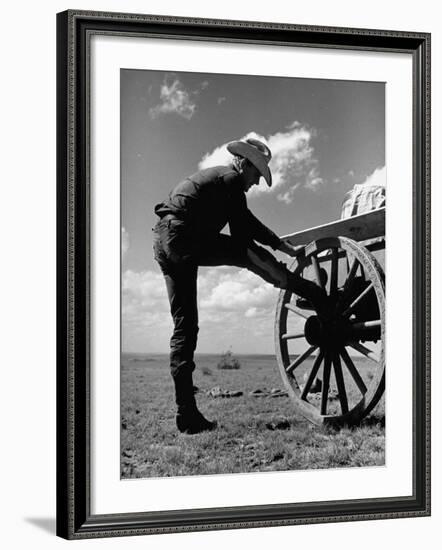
[[256, 158]]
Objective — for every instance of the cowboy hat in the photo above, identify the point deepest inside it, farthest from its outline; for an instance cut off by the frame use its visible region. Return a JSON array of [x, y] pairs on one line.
[[256, 152]]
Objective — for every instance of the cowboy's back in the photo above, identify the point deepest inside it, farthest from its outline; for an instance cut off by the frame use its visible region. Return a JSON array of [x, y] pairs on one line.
[[209, 200]]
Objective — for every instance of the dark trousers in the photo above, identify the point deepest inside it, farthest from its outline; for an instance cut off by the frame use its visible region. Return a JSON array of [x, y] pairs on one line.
[[179, 254]]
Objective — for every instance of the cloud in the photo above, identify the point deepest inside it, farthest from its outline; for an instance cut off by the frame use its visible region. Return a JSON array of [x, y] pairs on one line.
[[124, 242], [174, 99], [218, 156], [221, 291], [377, 178], [234, 306], [145, 318], [293, 163], [236, 292], [144, 299]]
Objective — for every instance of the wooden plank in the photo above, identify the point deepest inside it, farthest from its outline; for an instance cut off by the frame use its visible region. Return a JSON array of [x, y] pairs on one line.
[[359, 228]]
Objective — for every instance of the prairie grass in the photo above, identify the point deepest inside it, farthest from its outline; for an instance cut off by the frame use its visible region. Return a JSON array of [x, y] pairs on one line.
[[254, 434]]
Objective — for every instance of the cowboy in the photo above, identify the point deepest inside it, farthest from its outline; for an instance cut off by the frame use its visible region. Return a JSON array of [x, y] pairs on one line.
[[188, 235]]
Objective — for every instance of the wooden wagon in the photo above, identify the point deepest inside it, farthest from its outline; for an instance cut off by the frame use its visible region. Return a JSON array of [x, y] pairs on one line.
[[325, 378]]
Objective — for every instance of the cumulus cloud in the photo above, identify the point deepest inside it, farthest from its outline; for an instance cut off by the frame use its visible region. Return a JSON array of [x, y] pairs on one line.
[[218, 156], [221, 291], [293, 163], [377, 178], [174, 99], [235, 291], [144, 299], [233, 304], [145, 318]]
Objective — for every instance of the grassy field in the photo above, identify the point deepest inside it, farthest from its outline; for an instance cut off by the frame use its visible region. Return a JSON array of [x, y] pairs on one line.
[[254, 434]]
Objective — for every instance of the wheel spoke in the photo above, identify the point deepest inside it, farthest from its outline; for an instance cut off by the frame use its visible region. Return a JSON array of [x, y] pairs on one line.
[[312, 375], [353, 371], [365, 351], [351, 274], [293, 336], [296, 310], [317, 271], [365, 325], [325, 383], [340, 383], [300, 359], [350, 309], [334, 272]]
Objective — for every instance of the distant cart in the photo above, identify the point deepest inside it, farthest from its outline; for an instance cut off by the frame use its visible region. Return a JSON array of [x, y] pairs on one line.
[[336, 373]]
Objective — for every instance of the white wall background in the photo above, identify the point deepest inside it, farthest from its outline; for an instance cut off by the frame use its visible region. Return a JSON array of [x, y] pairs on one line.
[[28, 275]]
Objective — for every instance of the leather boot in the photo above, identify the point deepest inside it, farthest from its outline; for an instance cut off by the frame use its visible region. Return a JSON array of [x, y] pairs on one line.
[[193, 422], [308, 290], [189, 419]]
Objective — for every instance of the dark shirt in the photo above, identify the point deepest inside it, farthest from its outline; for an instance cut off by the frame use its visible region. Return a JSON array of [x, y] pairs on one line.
[[212, 198]]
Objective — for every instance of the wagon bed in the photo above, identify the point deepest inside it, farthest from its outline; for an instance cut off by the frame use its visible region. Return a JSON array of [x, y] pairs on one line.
[[364, 227]]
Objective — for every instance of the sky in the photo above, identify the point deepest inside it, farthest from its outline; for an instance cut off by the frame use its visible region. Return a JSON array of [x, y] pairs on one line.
[[325, 137]]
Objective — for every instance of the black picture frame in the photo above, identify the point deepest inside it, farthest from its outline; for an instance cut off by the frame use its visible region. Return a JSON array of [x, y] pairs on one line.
[[74, 518]]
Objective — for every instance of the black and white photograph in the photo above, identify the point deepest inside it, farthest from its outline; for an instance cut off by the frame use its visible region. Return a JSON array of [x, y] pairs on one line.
[[222, 257], [253, 273], [243, 276]]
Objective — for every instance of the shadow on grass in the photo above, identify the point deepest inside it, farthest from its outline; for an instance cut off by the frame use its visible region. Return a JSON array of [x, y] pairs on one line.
[[369, 422], [374, 421]]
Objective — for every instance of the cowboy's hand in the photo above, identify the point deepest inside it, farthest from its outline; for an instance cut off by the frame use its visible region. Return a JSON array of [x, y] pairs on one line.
[[290, 250]]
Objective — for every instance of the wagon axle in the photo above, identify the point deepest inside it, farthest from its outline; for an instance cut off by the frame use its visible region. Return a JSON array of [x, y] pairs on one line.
[[337, 332]]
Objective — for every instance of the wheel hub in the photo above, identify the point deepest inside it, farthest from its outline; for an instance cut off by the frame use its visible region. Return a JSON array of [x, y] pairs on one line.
[[326, 333]]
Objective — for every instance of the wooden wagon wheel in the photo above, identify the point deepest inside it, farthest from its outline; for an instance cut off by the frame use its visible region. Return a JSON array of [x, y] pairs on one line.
[[327, 381]]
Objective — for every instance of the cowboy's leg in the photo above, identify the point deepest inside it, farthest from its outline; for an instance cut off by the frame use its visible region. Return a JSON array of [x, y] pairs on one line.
[[264, 264], [181, 286], [180, 276], [224, 250]]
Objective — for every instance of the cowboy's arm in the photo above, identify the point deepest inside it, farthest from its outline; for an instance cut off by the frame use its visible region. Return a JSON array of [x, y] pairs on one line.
[[260, 232], [244, 226]]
